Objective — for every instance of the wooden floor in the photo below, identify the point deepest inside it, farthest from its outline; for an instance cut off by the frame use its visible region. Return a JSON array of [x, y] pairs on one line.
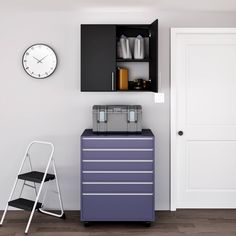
[[181, 222]]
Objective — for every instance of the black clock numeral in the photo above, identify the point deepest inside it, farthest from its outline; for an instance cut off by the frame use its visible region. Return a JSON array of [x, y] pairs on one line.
[[32, 73], [25, 60], [27, 68], [27, 53], [39, 75], [32, 48], [46, 73]]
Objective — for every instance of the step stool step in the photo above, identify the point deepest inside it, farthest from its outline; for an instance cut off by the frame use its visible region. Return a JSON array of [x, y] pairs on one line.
[[35, 176], [24, 204]]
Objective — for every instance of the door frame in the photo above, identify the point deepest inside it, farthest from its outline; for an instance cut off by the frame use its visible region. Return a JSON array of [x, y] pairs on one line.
[[175, 32]]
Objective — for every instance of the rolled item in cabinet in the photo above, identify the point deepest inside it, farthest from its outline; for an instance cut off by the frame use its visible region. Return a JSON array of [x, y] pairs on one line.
[[125, 47], [139, 47]]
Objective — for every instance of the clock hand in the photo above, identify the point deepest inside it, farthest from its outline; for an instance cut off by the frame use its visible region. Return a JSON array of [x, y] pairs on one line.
[[40, 61], [37, 59]]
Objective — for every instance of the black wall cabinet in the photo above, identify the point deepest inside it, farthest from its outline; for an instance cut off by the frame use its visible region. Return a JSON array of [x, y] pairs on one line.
[[99, 61]]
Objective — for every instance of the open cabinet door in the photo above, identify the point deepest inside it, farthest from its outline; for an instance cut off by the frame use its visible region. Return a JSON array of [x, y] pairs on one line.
[[153, 55]]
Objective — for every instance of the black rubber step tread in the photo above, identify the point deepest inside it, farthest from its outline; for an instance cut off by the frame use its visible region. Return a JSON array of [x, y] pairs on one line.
[[36, 176], [24, 204]]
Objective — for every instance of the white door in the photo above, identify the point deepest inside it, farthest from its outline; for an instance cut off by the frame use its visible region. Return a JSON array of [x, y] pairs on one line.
[[204, 108]]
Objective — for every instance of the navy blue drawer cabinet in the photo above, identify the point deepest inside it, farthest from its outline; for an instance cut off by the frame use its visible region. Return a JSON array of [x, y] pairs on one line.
[[117, 177]]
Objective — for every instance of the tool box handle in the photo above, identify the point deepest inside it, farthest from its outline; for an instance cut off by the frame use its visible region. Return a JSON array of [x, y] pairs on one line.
[[132, 115]]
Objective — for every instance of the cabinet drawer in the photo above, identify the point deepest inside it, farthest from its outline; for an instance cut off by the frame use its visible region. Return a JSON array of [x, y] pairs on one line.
[[117, 208], [117, 155], [117, 143], [117, 188], [117, 165], [117, 177]]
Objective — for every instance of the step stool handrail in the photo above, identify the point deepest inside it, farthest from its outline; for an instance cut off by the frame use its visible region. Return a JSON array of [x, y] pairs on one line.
[[51, 154], [28, 148]]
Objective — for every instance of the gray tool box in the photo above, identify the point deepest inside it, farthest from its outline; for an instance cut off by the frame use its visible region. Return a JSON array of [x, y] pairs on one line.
[[117, 118]]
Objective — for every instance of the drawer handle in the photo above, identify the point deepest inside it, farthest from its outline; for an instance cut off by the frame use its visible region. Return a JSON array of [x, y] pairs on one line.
[[116, 172], [117, 194], [112, 183], [116, 150], [118, 161], [101, 138]]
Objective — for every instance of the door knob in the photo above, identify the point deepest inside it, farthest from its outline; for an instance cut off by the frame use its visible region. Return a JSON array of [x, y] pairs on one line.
[[180, 133]]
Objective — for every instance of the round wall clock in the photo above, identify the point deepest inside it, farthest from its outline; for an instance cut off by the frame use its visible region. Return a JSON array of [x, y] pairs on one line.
[[39, 61]]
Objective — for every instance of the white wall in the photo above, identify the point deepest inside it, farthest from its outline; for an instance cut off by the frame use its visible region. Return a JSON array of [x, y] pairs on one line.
[[54, 109]]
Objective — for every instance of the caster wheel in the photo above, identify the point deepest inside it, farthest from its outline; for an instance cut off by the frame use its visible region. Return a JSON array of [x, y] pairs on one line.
[[63, 216], [86, 224], [148, 224]]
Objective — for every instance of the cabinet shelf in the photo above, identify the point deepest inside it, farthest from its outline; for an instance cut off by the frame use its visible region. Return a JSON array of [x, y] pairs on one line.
[[132, 60]]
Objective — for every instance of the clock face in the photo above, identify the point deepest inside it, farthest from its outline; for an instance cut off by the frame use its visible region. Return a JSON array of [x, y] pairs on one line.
[[39, 61]]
